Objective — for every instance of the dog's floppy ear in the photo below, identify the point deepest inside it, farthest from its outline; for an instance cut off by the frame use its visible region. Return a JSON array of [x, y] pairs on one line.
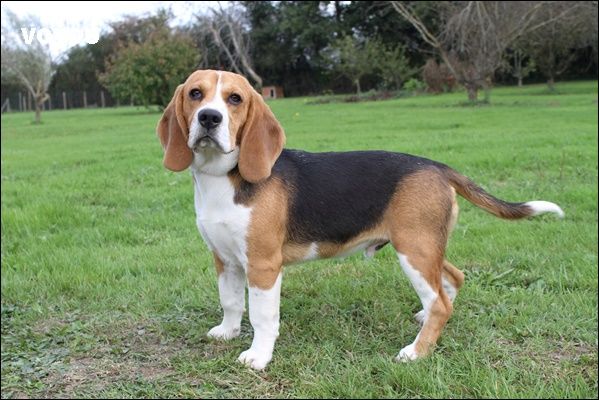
[[173, 131], [262, 140]]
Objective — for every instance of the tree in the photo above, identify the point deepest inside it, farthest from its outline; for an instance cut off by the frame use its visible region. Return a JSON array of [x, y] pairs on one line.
[[78, 71], [393, 65], [553, 46], [473, 35], [519, 64], [148, 72], [288, 42], [29, 65], [82, 66], [353, 59], [593, 34]]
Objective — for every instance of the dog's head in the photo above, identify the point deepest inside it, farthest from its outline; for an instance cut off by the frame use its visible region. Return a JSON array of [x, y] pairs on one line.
[[219, 112]]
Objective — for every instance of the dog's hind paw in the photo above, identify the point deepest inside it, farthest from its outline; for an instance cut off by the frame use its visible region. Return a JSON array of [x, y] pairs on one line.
[[408, 353]]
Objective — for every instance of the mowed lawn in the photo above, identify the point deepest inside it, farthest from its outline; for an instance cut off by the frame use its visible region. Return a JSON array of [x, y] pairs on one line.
[[108, 289]]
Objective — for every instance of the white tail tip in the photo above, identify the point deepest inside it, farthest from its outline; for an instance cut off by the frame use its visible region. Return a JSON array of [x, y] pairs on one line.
[[541, 207]]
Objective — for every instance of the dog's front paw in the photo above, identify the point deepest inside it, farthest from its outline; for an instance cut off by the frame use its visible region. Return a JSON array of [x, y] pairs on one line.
[[408, 353], [223, 333], [254, 359]]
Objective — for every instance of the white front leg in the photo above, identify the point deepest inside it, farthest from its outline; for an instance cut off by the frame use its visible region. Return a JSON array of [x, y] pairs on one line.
[[264, 316], [231, 290]]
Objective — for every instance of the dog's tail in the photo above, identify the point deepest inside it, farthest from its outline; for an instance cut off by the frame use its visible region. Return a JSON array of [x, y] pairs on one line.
[[502, 209]]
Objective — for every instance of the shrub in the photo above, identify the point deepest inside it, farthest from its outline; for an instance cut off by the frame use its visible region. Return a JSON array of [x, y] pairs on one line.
[[438, 77], [414, 85]]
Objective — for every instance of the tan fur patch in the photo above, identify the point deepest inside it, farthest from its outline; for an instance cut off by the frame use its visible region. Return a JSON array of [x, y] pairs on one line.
[[266, 234], [295, 252], [418, 217], [450, 272], [455, 209], [453, 275]]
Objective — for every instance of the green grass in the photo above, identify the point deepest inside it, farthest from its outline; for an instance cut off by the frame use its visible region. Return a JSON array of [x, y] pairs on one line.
[[108, 290]]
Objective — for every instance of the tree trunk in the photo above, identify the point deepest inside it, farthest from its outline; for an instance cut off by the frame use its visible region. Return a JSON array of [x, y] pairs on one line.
[[487, 84], [38, 111], [472, 90], [518, 67], [357, 82], [551, 83], [487, 94]]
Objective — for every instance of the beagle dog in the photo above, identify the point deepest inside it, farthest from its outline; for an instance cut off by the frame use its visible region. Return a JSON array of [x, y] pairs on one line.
[[260, 207]]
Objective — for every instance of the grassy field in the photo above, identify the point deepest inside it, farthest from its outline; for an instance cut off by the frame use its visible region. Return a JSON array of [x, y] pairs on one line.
[[108, 290]]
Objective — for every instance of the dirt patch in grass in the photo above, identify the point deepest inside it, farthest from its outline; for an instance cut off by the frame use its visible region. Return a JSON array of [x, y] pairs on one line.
[[127, 352], [568, 351], [579, 357], [87, 375], [559, 359]]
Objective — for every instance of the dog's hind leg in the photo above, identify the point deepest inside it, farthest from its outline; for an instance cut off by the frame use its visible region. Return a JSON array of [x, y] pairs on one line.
[[452, 280], [424, 272], [419, 218]]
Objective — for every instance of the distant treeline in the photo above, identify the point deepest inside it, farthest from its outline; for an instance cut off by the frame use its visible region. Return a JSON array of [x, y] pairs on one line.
[[313, 48]]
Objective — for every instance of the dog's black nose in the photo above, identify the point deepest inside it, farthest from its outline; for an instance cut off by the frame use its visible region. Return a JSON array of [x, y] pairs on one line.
[[209, 118]]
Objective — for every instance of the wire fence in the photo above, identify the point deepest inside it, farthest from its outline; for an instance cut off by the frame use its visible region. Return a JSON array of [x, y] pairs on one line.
[[23, 101]]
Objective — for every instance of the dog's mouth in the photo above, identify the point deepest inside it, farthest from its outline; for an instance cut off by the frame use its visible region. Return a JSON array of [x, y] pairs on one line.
[[208, 142], [205, 141]]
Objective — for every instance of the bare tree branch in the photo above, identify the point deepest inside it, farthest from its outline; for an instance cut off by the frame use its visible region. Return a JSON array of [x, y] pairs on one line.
[[222, 46], [236, 32], [227, 31], [428, 37], [475, 34]]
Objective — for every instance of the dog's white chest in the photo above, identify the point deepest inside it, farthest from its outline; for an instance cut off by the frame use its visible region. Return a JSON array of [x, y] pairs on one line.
[[222, 223]]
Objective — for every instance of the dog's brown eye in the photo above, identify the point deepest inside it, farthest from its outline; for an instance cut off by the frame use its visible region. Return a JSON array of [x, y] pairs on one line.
[[195, 94], [235, 99]]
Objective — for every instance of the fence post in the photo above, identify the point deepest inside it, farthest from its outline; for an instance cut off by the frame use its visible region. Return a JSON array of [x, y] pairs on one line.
[[24, 103], [64, 100], [102, 98], [84, 99]]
